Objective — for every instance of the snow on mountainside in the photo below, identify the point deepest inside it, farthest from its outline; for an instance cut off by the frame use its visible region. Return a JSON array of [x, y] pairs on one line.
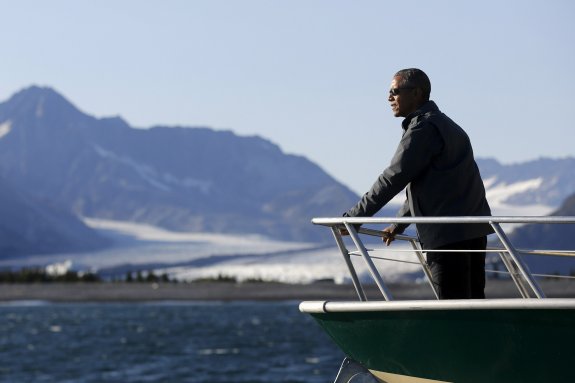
[[191, 256], [500, 194], [535, 187]]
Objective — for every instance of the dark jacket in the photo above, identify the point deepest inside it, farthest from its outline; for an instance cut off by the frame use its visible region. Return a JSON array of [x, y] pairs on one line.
[[434, 160]]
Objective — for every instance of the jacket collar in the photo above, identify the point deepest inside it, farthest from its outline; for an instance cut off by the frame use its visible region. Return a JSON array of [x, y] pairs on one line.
[[413, 118]]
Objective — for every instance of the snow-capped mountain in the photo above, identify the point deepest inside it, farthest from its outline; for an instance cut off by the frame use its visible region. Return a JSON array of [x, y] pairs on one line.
[[535, 187]]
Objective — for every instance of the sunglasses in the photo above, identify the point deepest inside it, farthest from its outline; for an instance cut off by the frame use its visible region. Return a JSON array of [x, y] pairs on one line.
[[397, 91]]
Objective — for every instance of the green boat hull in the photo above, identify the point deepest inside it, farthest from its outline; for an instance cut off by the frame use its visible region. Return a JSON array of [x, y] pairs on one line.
[[458, 344]]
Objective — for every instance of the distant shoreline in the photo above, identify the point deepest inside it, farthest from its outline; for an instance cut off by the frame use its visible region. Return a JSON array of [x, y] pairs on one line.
[[231, 291]]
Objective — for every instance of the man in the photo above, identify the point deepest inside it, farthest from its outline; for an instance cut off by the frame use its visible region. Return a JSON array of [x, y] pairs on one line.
[[434, 162]]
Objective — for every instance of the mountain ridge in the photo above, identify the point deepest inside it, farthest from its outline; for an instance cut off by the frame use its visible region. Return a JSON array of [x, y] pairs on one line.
[[180, 178]]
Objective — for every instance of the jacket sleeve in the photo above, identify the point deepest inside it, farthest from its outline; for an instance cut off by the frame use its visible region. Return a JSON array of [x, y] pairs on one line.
[[404, 211], [418, 146]]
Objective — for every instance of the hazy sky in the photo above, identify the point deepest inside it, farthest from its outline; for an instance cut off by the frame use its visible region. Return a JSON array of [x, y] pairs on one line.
[[310, 75]]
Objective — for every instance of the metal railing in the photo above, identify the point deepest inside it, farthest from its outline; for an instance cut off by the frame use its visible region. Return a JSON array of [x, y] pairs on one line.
[[511, 257]]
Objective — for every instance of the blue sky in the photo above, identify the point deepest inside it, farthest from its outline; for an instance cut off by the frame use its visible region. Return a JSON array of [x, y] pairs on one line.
[[310, 75]]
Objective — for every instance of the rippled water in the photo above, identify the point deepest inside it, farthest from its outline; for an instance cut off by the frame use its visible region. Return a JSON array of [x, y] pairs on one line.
[[163, 342]]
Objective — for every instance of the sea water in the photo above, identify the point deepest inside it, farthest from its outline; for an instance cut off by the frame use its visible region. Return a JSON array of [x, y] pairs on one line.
[[163, 342]]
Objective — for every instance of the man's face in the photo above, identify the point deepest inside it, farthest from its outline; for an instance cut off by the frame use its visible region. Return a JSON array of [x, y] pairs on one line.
[[403, 100]]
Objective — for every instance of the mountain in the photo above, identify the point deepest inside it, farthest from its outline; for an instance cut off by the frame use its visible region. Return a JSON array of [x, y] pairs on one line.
[[29, 226], [559, 236], [179, 178], [551, 237], [534, 187]]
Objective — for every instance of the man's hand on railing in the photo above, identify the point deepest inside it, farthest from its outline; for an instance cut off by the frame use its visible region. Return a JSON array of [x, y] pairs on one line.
[[389, 235]]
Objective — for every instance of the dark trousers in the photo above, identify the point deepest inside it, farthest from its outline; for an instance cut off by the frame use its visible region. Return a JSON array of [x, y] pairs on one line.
[[459, 275]]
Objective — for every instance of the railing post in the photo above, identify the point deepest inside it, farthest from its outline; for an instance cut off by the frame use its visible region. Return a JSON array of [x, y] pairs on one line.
[[521, 266], [513, 272], [345, 253], [418, 252], [372, 269]]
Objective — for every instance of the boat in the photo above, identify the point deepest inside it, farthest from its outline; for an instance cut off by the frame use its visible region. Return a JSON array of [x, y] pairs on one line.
[[527, 339]]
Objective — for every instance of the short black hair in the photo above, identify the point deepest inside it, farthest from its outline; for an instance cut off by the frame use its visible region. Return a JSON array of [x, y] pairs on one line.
[[416, 78]]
